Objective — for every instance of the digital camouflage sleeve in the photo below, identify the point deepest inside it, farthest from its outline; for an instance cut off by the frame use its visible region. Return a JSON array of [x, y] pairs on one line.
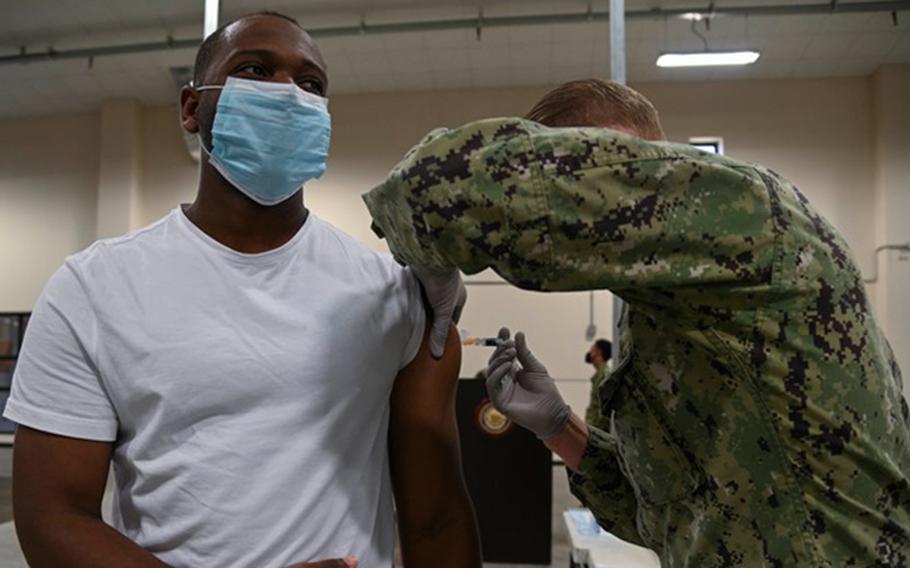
[[755, 416]]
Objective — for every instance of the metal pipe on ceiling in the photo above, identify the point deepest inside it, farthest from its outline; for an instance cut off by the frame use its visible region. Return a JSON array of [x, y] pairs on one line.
[[618, 42], [361, 28], [618, 74], [210, 17]]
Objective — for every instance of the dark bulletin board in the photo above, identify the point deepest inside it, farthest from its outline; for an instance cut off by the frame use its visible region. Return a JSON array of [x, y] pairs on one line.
[[12, 330], [509, 474]]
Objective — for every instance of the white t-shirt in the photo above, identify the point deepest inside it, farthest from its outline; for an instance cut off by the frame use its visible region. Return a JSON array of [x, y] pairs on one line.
[[247, 395]]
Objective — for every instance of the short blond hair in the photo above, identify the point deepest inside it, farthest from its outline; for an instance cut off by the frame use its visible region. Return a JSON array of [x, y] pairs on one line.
[[595, 102]]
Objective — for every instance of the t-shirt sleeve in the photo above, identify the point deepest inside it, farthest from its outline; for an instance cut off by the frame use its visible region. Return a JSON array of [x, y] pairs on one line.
[[57, 387], [415, 314]]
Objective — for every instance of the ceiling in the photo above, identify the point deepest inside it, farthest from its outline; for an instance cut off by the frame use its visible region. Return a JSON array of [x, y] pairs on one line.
[[827, 45]]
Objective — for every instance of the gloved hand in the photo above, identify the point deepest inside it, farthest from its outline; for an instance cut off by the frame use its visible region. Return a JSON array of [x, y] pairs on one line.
[[447, 296], [521, 388]]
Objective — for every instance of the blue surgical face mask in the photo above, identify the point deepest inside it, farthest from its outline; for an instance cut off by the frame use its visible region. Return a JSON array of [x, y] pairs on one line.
[[268, 138]]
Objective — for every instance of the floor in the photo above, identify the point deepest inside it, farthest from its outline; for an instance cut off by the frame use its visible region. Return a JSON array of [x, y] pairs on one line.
[[6, 499]]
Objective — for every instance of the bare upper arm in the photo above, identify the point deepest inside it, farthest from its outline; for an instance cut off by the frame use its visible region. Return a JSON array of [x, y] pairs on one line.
[[58, 485], [53, 473], [436, 520], [423, 435], [424, 391]]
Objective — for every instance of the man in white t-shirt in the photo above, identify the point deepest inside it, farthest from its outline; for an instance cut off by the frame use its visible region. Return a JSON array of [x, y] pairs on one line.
[[207, 357]]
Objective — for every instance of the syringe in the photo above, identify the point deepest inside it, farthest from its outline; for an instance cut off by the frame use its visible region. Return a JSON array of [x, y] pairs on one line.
[[483, 341], [468, 339]]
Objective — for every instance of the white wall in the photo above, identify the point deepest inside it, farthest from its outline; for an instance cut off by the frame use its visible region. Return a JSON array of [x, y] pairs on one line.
[[891, 88], [820, 133], [119, 180], [48, 182], [169, 176]]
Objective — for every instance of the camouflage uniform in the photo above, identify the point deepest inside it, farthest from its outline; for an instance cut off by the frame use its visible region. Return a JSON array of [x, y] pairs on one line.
[[592, 414], [756, 415]]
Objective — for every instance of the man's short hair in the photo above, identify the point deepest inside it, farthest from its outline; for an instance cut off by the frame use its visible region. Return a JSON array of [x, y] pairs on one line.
[[211, 43], [594, 102], [605, 348]]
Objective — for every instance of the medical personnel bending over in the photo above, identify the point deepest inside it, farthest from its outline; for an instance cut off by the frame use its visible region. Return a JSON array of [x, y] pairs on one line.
[[755, 417], [598, 356], [205, 357]]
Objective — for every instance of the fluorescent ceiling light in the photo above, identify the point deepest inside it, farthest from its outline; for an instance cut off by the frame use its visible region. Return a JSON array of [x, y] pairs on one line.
[[705, 58]]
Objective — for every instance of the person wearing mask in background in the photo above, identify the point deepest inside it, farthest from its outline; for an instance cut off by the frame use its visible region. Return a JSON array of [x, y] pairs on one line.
[[204, 357], [756, 412], [598, 356]]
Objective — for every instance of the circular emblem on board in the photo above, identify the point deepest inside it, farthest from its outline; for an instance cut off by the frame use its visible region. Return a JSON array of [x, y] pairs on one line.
[[491, 421]]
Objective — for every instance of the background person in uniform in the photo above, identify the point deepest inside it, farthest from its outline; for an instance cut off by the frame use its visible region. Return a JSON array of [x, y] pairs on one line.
[[756, 411], [598, 356], [204, 356]]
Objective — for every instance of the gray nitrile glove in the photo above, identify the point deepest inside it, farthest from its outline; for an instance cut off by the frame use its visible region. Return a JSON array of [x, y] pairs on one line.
[[522, 389], [447, 296]]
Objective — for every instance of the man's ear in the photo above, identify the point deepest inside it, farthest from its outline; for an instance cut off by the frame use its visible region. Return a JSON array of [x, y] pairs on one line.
[[189, 102]]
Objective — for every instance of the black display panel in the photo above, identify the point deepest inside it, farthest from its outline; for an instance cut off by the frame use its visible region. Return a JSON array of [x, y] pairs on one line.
[[509, 474], [12, 330]]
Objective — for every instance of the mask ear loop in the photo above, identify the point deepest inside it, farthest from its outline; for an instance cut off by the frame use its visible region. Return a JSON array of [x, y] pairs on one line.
[[199, 136], [203, 148]]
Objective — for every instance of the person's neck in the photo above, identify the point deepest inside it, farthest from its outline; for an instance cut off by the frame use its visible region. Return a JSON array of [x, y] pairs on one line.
[[231, 218]]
